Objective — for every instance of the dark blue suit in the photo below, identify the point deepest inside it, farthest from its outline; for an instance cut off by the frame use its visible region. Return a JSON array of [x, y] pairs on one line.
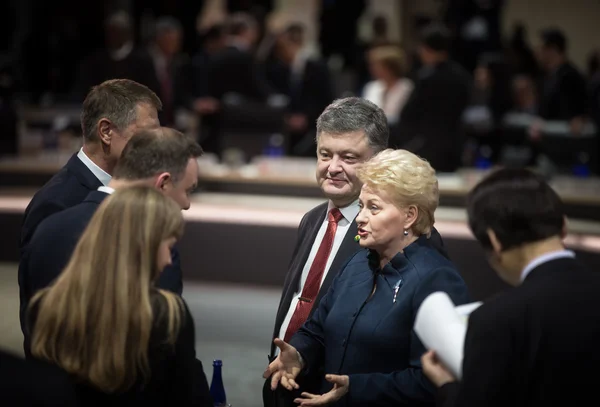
[[51, 246], [66, 188], [370, 338]]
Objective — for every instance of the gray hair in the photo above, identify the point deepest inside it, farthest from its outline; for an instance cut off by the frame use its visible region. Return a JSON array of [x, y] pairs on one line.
[[166, 24], [354, 114]]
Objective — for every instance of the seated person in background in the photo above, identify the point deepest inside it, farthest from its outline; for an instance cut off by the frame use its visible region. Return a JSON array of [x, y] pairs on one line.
[[103, 321], [164, 159], [390, 88], [361, 332], [536, 345]]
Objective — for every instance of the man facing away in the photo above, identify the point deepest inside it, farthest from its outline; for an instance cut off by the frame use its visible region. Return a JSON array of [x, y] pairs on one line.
[[163, 158], [349, 132], [536, 345], [111, 113]]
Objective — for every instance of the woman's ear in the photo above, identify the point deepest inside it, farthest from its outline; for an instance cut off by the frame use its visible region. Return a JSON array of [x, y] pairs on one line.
[[412, 213]]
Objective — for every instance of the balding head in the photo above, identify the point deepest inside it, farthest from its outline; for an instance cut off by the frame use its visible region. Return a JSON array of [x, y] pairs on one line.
[[152, 152]]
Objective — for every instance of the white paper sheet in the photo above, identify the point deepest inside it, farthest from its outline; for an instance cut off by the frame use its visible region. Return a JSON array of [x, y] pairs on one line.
[[442, 327]]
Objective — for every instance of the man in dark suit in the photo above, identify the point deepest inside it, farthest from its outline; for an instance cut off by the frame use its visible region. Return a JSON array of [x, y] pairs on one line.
[[349, 132], [233, 69], [162, 158], [430, 122], [111, 113], [306, 81], [537, 344]]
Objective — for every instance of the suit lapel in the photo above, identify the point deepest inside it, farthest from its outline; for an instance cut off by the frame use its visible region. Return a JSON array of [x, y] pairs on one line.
[[79, 170]]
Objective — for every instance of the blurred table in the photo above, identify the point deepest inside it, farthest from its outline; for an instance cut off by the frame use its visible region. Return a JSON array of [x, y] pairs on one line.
[[295, 177]]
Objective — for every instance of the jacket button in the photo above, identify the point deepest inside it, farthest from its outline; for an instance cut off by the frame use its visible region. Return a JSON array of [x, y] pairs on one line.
[[344, 342]]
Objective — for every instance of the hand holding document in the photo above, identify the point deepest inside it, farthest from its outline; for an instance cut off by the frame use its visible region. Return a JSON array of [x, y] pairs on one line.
[[442, 328]]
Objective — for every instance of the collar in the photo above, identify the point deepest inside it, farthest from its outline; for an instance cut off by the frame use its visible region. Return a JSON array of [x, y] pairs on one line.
[[544, 258], [123, 52], [401, 259], [102, 175], [349, 212], [106, 189], [240, 45]]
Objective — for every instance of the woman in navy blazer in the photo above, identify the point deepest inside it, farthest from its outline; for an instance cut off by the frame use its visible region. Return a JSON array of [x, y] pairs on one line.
[[361, 332]]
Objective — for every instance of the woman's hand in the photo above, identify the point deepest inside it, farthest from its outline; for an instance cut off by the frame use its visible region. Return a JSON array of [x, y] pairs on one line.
[[435, 370], [285, 368], [341, 384]]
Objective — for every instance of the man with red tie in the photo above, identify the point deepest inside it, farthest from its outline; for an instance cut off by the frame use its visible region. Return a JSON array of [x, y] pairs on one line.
[[349, 132]]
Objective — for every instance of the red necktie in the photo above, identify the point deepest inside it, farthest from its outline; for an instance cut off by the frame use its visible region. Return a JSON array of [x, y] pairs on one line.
[[315, 274]]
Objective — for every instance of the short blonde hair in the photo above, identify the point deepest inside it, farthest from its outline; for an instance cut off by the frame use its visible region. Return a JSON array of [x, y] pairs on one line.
[[409, 179]]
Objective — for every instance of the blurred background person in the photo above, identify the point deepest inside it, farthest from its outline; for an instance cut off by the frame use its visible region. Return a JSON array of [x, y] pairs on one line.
[[104, 322], [430, 124], [390, 88], [305, 80]]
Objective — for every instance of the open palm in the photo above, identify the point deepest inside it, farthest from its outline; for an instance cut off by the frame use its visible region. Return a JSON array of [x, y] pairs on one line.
[[285, 368]]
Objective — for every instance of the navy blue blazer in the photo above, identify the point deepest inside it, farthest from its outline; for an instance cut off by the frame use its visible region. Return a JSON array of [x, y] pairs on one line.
[[67, 188], [51, 246], [370, 338]]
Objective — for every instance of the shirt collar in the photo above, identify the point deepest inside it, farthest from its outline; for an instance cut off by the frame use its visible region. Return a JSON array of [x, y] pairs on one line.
[[349, 212], [544, 258], [106, 189], [102, 175]]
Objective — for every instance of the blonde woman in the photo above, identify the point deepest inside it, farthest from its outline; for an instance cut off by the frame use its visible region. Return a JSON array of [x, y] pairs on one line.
[[104, 322], [389, 89], [361, 333]]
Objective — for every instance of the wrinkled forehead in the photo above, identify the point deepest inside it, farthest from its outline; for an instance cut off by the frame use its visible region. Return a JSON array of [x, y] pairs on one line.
[[355, 142]]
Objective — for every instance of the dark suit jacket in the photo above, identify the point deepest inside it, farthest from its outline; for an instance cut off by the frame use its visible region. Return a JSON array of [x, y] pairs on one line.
[[363, 328], [66, 188], [25, 383], [564, 94], [51, 247], [430, 122], [232, 70], [536, 345], [307, 232]]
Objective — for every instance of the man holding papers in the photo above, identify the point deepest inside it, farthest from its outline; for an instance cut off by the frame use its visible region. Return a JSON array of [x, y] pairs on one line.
[[538, 344]]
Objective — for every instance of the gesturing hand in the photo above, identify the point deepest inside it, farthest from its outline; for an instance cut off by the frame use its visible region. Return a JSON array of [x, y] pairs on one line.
[[341, 384], [285, 368]]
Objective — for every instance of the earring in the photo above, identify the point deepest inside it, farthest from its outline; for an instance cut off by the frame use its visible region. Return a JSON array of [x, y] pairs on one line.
[[405, 232]]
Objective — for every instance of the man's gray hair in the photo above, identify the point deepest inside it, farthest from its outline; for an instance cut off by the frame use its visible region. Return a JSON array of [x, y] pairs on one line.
[[354, 114]]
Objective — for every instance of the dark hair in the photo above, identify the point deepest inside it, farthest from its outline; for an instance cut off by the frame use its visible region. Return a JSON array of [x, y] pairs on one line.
[[240, 22], [295, 33], [353, 114], [554, 38], [518, 205], [116, 100], [436, 37], [151, 152]]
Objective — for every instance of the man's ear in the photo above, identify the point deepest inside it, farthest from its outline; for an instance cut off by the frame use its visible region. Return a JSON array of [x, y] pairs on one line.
[[565, 229], [162, 181], [104, 129], [496, 245]]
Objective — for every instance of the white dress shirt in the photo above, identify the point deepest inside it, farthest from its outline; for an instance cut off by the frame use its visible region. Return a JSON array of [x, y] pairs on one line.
[[349, 213], [102, 175], [106, 189], [393, 102], [544, 258]]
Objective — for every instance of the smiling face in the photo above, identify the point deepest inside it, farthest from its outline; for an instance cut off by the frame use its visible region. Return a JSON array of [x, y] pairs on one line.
[[338, 156]]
